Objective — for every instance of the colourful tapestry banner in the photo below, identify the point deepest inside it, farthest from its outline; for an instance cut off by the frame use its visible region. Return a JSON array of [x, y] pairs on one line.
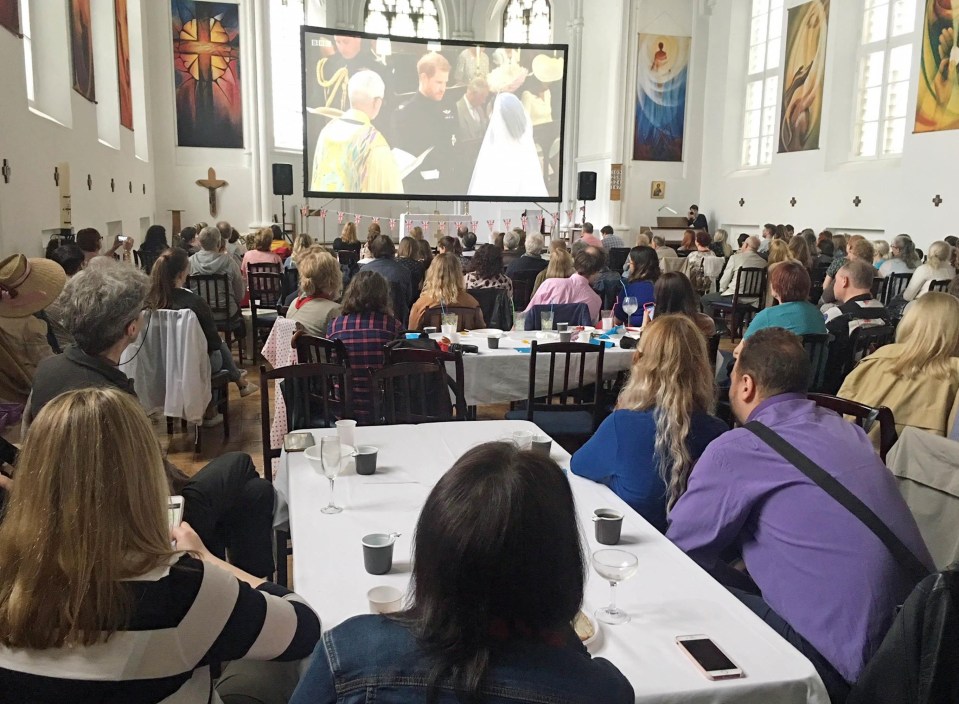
[[661, 80], [206, 59], [81, 48], [799, 128], [123, 64], [938, 99]]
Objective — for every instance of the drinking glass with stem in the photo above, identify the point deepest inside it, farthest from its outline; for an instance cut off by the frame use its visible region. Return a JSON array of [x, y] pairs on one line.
[[615, 566], [630, 306], [332, 459]]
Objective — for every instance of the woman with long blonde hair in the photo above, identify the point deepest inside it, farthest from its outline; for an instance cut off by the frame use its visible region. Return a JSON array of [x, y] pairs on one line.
[[88, 575], [445, 288], [560, 266], [663, 421], [918, 376]]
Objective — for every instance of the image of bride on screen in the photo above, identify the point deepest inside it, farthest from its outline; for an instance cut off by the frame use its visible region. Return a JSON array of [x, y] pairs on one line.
[[508, 163]]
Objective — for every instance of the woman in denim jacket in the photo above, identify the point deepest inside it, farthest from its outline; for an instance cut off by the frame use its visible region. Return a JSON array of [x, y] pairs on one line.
[[497, 577]]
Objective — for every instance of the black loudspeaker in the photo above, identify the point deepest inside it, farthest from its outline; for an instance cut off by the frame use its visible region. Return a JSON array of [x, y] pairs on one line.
[[283, 180], [587, 186]]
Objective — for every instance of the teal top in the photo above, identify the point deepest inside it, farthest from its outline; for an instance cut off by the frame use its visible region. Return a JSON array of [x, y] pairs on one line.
[[799, 317]]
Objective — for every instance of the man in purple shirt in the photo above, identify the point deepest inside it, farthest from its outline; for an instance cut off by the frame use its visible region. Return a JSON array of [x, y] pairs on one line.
[[829, 586], [588, 264]]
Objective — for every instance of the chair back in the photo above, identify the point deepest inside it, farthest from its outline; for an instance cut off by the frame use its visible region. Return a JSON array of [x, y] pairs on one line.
[[879, 285], [266, 286], [671, 264], [319, 350], [496, 305], [572, 391], [942, 286], [348, 258], [409, 393], [215, 290], [617, 258], [573, 313], [897, 284], [865, 417], [817, 277], [713, 348], [865, 340], [148, 258], [396, 353], [817, 349], [523, 282], [750, 286], [466, 318]]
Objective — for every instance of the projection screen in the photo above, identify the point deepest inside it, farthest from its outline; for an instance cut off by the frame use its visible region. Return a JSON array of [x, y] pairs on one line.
[[409, 119]]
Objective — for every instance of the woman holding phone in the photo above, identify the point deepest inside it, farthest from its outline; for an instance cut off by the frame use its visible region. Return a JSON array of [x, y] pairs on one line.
[[96, 584]]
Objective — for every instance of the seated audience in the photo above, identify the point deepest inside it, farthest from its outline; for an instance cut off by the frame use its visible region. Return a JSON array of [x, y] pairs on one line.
[[469, 242], [700, 252], [235, 246], [487, 270], [826, 251], [261, 252], [301, 245], [857, 309], [417, 233], [766, 238], [372, 232], [401, 281], [936, 268], [646, 449], [673, 294], [155, 240], [588, 264], [424, 253], [840, 243], [799, 250], [532, 262], [479, 625], [91, 242], [642, 240], [589, 238], [662, 251], [746, 258], [406, 255], [689, 242], [449, 244], [187, 240], [881, 248], [610, 239], [347, 240], [827, 584], [211, 259], [365, 324], [720, 244], [226, 501], [511, 243], [858, 249], [918, 377], [499, 239], [903, 258], [789, 283], [445, 288], [96, 583], [168, 292], [643, 272], [321, 283], [560, 266]]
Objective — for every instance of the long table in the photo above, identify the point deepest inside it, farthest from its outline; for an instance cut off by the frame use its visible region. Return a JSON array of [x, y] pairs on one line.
[[668, 597]]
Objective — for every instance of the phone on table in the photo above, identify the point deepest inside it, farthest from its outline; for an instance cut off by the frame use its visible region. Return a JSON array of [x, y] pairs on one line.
[[707, 656]]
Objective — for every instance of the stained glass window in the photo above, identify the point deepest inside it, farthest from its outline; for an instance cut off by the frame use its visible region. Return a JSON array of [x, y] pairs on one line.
[[528, 22], [403, 18]]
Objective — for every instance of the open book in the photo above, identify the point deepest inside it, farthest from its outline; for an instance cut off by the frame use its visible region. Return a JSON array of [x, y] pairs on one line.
[[407, 163]]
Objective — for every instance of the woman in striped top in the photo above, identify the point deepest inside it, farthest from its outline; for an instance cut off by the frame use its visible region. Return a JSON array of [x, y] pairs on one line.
[[94, 603]]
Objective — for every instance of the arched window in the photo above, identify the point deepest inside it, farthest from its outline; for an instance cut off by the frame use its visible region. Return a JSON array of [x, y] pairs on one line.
[[403, 18], [528, 22]]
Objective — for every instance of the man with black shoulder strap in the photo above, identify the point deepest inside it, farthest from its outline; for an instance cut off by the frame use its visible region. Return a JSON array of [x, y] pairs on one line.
[[825, 535]]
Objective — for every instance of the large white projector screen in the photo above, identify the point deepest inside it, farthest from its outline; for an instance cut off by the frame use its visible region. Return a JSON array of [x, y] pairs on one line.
[[409, 119]]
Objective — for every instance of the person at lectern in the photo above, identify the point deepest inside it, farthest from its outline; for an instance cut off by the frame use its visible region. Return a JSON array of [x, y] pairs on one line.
[[697, 220], [351, 155]]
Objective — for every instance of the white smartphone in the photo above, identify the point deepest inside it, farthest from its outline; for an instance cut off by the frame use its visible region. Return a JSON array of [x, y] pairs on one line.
[[707, 656], [175, 511], [122, 238]]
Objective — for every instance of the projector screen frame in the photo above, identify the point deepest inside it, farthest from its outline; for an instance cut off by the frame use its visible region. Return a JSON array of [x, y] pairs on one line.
[[420, 197]]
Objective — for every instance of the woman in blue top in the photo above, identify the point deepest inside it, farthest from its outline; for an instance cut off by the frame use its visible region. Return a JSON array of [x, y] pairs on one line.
[[663, 421], [789, 284], [643, 271]]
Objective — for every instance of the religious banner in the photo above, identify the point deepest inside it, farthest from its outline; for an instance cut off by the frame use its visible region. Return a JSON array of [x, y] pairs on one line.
[[661, 79], [81, 49], [123, 63], [206, 60], [937, 103], [10, 15], [801, 120]]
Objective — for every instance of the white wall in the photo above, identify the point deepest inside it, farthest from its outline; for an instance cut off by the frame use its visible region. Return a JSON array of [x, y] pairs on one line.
[[33, 146], [896, 193]]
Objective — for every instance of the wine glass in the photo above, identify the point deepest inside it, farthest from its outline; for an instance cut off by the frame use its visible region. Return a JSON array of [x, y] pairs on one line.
[[331, 458], [630, 306], [615, 566]]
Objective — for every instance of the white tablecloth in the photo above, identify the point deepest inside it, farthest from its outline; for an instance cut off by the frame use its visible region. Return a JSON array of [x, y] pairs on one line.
[[502, 375], [668, 597]]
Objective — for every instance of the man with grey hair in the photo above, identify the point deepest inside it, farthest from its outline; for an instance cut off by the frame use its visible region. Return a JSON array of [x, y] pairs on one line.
[[227, 503], [662, 251], [211, 259], [532, 262], [512, 242], [351, 155], [472, 111], [747, 258]]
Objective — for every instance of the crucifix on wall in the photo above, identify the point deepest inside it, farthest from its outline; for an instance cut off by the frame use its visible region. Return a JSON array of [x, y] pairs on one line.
[[212, 184]]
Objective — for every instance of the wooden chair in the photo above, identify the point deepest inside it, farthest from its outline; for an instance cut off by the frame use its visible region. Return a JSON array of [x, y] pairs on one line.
[[748, 299], [941, 286], [348, 258], [523, 282], [266, 293], [865, 417], [304, 407], [410, 393], [215, 290], [496, 305], [456, 383], [148, 258], [319, 350], [219, 383], [568, 410], [617, 258], [864, 341], [897, 284], [879, 286], [817, 349]]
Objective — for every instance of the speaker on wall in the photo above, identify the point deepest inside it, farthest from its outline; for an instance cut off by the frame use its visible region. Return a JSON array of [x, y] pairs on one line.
[[587, 186], [282, 179]]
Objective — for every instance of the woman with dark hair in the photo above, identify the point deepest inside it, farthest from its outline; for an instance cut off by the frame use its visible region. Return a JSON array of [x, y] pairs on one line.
[[488, 270], [155, 239], [674, 294], [407, 255], [188, 240], [498, 574], [643, 263], [365, 324], [424, 253]]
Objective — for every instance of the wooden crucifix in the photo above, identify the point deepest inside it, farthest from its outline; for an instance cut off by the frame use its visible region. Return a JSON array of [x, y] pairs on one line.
[[212, 183]]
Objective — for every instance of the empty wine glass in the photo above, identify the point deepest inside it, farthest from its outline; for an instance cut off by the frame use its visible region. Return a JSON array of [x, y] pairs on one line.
[[331, 459], [630, 306], [615, 566]]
